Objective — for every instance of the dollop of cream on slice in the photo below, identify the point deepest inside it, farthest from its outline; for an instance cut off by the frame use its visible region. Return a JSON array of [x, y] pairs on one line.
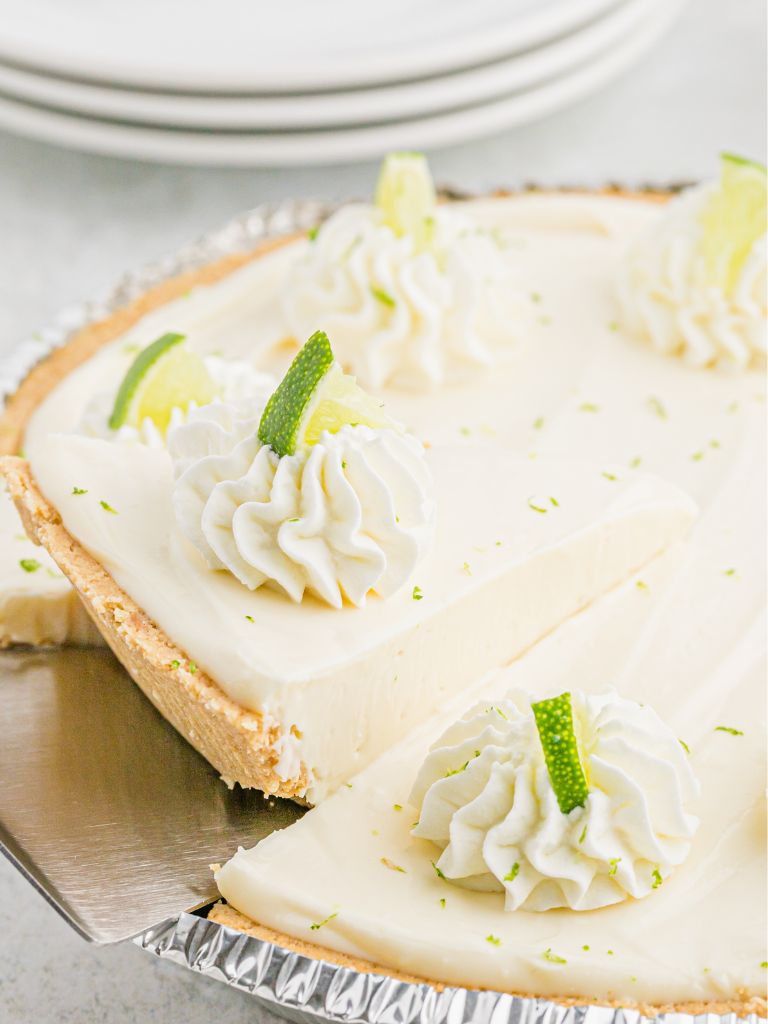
[[398, 315], [235, 379], [667, 298], [352, 515], [486, 799]]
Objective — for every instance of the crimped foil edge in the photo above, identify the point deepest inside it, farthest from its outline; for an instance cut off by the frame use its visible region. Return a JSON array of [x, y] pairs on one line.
[[301, 988], [291, 985]]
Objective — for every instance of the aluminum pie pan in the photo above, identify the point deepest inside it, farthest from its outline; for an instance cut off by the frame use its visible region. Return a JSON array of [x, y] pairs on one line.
[[292, 985]]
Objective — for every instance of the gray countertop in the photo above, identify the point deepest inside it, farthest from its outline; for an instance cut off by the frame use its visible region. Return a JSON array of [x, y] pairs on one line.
[[70, 224]]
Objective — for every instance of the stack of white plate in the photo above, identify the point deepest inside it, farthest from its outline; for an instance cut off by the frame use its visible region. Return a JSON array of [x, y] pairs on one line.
[[304, 81]]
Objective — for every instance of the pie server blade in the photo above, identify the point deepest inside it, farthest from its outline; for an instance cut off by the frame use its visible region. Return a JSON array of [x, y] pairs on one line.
[[110, 814]]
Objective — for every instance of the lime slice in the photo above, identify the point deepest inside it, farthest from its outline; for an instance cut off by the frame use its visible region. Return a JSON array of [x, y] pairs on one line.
[[554, 720], [733, 220], [315, 395], [163, 376], [406, 197]]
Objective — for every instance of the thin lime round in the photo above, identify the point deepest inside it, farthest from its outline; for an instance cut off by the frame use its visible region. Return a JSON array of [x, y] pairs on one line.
[[163, 376], [315, 395], [733, 220], [406, 197], [554, 721]]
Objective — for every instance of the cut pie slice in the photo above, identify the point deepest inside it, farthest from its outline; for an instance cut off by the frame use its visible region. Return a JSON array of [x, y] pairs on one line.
[[295, 698]]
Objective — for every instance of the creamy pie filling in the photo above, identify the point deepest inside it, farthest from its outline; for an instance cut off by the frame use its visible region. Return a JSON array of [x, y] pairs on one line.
[[684, 635]]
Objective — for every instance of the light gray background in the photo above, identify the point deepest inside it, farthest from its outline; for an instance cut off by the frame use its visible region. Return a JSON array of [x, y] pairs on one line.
[[71, 224]]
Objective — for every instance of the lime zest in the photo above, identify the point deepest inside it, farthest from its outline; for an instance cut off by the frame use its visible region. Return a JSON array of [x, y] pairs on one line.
[[729, 729], [553, 958], [108, 508], [279, 426], [392, 866], [29, 564], [406, 198], [383, 297], [554, 721], [146, 358], [493, 939], [317, 925], [512, 874], [79, 490]]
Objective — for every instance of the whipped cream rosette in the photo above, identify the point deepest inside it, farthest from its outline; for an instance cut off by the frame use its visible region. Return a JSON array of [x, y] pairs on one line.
[[694, 284], [318, 491], [579, 801], [413, 294]]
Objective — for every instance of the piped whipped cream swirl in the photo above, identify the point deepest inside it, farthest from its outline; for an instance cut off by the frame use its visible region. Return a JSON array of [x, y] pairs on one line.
[[235, 379], [667, 298], [352, 515], [486, 799], [399, 315]]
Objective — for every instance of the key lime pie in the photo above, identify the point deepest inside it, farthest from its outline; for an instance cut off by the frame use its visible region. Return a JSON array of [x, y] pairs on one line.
[[404, 520]]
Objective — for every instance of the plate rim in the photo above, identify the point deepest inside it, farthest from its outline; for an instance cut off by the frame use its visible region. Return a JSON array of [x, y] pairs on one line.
[[531, 29], [332, 147]]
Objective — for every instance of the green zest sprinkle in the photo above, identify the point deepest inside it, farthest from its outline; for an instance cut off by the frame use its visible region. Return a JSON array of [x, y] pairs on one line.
[[392, 866], [512, 874], [438, 872], [397, 807], [697, 456], [417, 594], [319, 924], [635, 462], [29, 564], [585, 948], [641, 585], [656, 406], [589, 407], [249, 618], [465, 431], [613, 325], [657, 879], [442, 902], [764, 963], [457, 771], [282, 416], [108, 508], [313, 233], [192, 667], [729, 572], [555, 502], [535, 297], [609, 952], [613, 866], [536, 508], [493, 939], [609, 476], [554, 721], [553, 958], [175, 663], [583, 835], [729, 730], [79, 490], [466, 568], [714, 443], [685, 746], [732, 408], [538, 423], [500, 713], [383, 297]]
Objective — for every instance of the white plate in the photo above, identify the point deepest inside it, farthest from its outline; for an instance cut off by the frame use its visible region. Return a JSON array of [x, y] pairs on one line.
[[290, 45], [394, 102], [292, 148]]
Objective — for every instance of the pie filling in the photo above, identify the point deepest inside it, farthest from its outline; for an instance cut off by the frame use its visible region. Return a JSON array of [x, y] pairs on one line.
[[548, 456]]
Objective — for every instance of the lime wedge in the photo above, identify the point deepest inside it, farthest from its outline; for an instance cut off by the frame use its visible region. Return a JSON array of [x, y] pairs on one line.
[[163, 376], [315, 395], [733, 220], [406, 197], [554, 720]]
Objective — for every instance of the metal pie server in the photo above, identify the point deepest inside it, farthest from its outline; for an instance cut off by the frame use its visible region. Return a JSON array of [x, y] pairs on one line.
[[104, 807]]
